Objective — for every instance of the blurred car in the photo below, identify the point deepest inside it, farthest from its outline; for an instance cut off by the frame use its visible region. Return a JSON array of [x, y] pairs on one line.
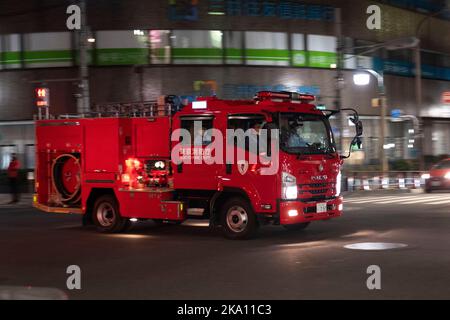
[[439, 177]]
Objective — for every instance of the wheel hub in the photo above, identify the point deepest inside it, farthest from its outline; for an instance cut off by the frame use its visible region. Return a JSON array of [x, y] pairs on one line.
[[237, 219], [106, 215]]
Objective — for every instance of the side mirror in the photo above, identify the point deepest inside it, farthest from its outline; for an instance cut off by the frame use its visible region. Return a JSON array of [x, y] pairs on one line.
[[359, 128]]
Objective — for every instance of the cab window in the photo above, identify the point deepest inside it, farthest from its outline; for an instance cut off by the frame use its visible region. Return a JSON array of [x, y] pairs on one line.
[[246, 122], [198, 128]]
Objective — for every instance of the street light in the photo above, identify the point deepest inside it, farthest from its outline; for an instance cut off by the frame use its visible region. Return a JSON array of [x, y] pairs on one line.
[[362, 78]]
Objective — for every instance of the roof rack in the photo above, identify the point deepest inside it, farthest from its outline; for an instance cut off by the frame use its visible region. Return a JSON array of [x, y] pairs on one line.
[[124, 110]]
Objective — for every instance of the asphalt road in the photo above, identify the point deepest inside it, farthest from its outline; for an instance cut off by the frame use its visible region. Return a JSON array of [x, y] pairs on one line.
[[191, 262]]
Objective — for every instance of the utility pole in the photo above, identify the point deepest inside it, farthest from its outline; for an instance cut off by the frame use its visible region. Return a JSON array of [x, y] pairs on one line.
[[339, 76], [84, 101], [383, 131]]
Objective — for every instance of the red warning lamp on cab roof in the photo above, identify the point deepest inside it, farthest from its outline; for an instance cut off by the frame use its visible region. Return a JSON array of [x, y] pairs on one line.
[[285, 96]]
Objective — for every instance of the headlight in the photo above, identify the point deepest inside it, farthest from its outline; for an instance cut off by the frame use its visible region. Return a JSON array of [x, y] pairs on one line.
[[447, 175], [426, 176], [289, 189], [338, 184]]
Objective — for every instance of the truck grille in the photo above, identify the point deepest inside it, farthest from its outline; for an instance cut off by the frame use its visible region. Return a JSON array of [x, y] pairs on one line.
[[313, 192]]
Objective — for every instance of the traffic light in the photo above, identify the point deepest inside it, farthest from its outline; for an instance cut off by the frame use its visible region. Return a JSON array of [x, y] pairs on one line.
[[42, 97]]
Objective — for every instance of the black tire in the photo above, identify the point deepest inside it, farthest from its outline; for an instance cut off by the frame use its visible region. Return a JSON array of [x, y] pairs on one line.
[[296, 227], [238, 219], [106, 215]]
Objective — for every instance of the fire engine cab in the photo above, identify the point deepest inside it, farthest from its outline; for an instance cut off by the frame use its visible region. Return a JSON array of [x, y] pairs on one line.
[[116, 165]]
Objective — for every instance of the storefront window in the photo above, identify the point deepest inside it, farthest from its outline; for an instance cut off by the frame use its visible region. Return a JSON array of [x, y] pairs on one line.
[[321, 51], [49, 49], [10, 51], [197, 47], [122, 47], [233, 47], [298, 50], [266, 48], [160, 46]]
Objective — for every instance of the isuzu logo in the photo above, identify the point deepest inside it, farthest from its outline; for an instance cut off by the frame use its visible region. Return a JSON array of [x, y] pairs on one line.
[[319, 178]]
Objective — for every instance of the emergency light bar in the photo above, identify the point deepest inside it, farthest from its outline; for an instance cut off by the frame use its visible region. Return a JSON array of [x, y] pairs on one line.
[[284, 95]]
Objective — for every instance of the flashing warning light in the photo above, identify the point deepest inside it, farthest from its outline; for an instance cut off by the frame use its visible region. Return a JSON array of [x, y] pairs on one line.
[[132, 163], [290, 96], [42, 97]]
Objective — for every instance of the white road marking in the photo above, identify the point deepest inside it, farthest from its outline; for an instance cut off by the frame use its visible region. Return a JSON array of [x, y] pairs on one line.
[[426, 199]]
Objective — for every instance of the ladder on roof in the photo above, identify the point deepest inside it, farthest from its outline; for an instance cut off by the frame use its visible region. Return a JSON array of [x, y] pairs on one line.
[[124, 110]]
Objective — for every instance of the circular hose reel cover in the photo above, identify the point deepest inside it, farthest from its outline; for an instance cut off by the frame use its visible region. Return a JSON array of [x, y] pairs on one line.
[[66, 178]]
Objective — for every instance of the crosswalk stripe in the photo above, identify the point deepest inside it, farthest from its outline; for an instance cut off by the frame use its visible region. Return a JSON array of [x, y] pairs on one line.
[[416, 199], [392, 198], [369, 199], [412, 201], [442, 202]]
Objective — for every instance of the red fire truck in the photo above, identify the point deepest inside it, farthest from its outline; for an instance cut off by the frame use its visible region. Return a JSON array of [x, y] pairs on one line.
[[115, 165]]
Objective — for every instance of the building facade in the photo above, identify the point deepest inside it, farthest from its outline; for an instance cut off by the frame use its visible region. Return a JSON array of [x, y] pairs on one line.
[[142, 49]]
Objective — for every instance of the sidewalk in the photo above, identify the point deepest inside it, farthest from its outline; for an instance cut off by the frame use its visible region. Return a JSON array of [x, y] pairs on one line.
[[24, 202]]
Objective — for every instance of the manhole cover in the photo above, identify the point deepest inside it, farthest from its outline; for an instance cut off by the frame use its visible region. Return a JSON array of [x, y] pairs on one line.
[[375, 246]]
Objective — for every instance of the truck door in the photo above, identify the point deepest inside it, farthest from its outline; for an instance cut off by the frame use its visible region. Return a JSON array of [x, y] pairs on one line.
[[196, 174], [246, 173]]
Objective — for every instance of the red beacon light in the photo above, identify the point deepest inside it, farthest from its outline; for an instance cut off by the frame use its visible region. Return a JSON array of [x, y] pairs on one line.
[[285, 96]]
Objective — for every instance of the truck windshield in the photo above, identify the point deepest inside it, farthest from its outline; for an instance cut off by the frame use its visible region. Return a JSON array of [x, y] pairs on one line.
[[305, 134]]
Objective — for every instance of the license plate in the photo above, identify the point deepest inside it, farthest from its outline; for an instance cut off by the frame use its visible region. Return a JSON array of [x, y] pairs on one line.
[[436, 183], [321, 208]]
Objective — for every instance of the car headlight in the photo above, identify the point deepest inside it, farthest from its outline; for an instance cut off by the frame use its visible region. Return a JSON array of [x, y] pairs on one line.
[[425, 176], [447, 175], [289, 190], [338, 184]]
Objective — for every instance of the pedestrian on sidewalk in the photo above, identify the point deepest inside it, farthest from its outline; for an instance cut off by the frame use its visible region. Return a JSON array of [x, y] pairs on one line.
[[13, 176]]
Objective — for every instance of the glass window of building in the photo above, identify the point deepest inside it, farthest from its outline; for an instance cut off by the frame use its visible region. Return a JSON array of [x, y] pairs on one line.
[[234, 53], [49, 49], [266, 48], [197, 47], [321, 51], [128, 47], [160, 46], [10, 51], [298, 50]]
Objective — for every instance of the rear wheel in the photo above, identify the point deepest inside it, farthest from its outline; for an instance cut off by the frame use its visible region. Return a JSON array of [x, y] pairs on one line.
[[238, 219], [106, 215], [296, 227]]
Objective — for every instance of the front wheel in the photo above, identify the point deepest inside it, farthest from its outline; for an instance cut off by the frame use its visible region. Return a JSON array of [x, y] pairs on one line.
[[106, 215], [238, 219], [296, 227]]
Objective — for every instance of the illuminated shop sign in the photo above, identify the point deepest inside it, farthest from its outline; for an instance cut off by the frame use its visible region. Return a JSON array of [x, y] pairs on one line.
[[187, 10], [183, 10]]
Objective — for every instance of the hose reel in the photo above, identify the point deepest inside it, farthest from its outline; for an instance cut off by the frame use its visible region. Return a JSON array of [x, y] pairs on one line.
[[66, 178]]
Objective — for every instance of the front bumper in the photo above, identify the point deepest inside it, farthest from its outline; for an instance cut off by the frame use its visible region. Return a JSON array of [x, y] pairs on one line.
[[437, 183], [306, 211]]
